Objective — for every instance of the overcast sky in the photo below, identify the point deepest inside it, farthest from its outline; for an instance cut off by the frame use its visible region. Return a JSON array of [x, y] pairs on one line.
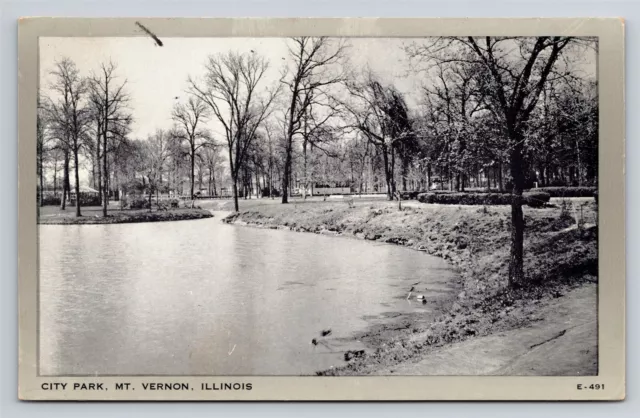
[[156, 75]]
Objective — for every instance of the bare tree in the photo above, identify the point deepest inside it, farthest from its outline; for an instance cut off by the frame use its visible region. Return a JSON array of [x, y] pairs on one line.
[[110, 101], [456, 97], [312, 59], [153, 155], [70, 114], [230, 89], [42, 139], [189, 118], [516, 71], [212, 161]]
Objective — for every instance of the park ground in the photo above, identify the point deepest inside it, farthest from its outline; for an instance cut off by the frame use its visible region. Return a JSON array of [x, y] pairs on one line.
[[53, 215], [548, 327]]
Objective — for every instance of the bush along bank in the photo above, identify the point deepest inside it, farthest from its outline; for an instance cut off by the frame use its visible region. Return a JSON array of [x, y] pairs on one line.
[[582, 191], [533, 199], [558, 257]]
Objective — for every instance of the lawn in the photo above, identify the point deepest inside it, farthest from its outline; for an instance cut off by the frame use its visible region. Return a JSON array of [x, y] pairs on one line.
[[93, 215]]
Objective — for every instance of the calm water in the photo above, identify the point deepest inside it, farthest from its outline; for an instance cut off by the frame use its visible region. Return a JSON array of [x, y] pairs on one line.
[[204, 298]]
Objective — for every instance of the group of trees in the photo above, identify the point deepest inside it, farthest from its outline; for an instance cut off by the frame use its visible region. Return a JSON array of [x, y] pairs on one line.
[[81, 116], [84, 123], [497, 113]]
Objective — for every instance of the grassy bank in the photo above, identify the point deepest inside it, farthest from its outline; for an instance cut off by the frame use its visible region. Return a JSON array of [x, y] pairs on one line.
[[53, 215], [559, 257]]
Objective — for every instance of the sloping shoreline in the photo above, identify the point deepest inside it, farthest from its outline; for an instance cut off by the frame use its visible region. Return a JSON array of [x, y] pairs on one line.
[[475, 240]]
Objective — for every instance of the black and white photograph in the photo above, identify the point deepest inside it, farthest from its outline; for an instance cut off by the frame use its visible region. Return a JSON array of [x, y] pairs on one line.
[[317, 206]]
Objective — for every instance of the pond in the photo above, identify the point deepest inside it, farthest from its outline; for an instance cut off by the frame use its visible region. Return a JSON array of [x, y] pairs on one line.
[[205, 298]]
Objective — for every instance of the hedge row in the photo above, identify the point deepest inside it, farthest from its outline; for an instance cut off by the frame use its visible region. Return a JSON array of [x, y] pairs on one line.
[[533, 199], [85, 200], [582, 191], [88, 200], [50, 200]]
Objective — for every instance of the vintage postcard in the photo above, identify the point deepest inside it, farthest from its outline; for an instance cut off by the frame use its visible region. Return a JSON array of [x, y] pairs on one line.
[[321, 209]]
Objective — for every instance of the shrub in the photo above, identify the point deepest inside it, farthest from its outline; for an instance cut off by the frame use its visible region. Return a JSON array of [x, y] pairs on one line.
[[139, 203], [581, 191], [90, 200], [275, 192], [409, 195], [174, 203], [465, 198], [537, 199], [51, 200]]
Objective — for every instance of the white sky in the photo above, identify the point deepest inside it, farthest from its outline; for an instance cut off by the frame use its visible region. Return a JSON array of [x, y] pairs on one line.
[[156, 75]]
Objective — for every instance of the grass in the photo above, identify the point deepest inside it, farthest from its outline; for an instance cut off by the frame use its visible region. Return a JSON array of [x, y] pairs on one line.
[[53, 215], [559, 256]]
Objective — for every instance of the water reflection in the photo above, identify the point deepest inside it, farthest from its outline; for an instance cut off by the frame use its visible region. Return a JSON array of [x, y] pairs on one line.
[[205, 298]]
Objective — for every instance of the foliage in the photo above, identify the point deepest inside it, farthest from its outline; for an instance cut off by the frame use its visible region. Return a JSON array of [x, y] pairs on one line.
[[409, 195], [536, 199], [50, 200], [138, 202], [455, 198], [266, 192], [567, 191], [89, 200]]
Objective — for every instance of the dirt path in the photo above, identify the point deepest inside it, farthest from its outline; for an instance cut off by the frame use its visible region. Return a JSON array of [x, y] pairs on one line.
[[563, 343]]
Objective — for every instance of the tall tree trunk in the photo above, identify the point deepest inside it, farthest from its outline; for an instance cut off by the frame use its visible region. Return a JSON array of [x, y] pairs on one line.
[[516, 264], [193, 165], [65, 181], [271, 180], [304, 168], [41, 178], [234, 179], [387, 175], [77, 176], [99, 171], [213, 180], [286, 178], [392, 172], [55, 177], [105, 175], [210, 191]]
